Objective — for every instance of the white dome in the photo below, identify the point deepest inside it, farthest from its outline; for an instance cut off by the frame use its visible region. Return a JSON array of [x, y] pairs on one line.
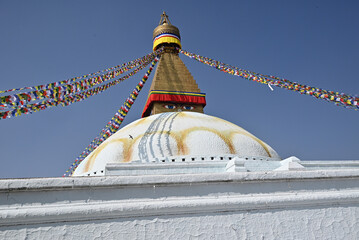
[[174, 134]]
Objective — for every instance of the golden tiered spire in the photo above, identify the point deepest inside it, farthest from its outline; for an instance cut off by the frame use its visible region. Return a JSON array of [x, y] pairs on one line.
[[173, 87], [166, 34]]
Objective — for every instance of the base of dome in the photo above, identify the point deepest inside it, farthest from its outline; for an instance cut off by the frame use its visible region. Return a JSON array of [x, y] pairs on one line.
[[196, 164]]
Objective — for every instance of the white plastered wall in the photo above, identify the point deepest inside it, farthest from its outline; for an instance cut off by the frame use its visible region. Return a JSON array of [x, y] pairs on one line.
[[262, 205]]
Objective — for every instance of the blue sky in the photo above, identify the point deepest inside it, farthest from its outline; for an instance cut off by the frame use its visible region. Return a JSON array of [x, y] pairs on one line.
[[310, 42]]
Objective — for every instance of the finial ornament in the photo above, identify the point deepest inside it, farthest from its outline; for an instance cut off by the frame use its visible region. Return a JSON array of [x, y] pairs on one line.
[[164, 19]]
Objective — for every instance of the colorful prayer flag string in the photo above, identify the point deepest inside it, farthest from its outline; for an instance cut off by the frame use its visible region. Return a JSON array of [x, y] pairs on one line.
[[66, 100], [114, 124], [62, 88], [340, 99], [72, 80]]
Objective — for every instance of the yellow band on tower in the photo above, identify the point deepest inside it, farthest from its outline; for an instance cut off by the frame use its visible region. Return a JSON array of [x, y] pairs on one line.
[[168, 39]]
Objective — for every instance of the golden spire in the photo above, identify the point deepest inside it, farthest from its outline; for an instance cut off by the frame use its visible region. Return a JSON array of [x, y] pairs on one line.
[[165, 34], [173, 87]]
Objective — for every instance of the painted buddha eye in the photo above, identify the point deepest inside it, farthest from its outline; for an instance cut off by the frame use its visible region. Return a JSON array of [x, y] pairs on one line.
[[188, 107], [170, 106]]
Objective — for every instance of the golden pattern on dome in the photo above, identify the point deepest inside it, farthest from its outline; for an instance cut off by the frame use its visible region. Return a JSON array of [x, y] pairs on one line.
[[182, 138]]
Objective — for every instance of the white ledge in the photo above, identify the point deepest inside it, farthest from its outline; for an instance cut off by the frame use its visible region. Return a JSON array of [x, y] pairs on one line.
[[28, 184], [120, 209]]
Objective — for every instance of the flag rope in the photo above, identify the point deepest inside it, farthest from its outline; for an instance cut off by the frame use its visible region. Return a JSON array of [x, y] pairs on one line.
[[72, 80], [67, 100], [114, 124], [340, 99], [14, 100], [63, 94]]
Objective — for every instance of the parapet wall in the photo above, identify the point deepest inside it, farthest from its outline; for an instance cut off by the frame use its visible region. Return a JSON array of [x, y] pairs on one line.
[[269, 205]]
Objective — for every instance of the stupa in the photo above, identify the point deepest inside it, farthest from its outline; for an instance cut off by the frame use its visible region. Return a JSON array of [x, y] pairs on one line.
[[173, 128], [177, 173]]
